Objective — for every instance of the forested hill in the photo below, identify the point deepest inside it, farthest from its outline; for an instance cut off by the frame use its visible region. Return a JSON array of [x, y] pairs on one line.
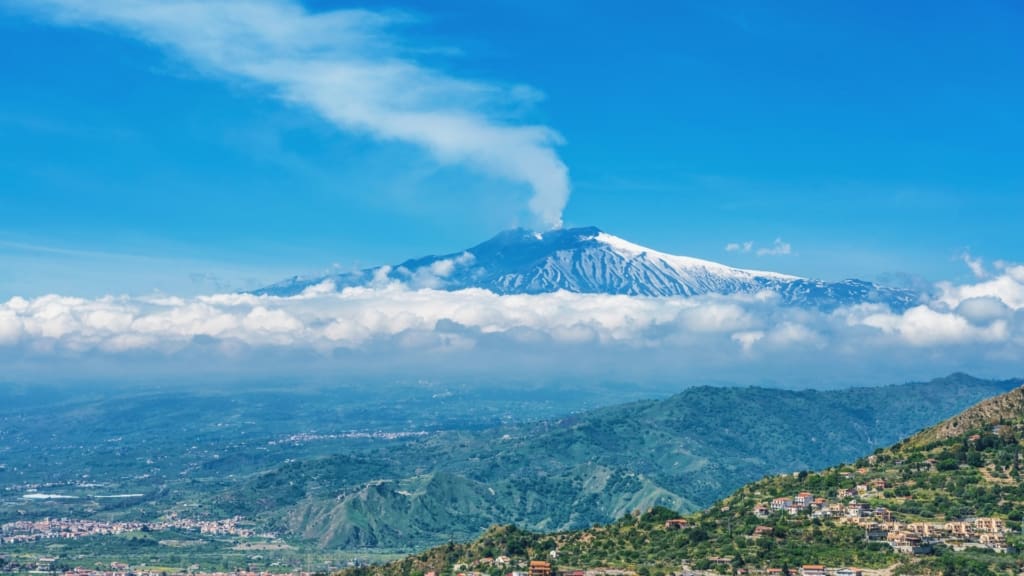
[[683, 453], [951, 504]]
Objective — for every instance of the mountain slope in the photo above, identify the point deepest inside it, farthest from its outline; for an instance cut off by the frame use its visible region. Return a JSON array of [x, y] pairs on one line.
[[988, 412], [683, 452], [924, 506], [588, 260]]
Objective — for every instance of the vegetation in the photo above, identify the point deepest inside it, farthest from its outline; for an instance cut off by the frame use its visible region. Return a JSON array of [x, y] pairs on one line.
[[683, 453], [930, 478], [482, 461]]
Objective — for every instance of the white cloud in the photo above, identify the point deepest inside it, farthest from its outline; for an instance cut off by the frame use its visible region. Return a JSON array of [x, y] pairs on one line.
[[347, 67], [1008, 287], [10, 327], [394, 324], [743, 247], [977, 265], [432, 276], [748, 339], [983, 310], [778, 248], [924, 326]]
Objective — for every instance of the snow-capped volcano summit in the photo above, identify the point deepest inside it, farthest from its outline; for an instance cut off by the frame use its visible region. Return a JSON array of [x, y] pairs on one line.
[[588, 260]]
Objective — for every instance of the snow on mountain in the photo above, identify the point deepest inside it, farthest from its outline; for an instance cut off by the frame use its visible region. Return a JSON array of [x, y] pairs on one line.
[[588, 260]]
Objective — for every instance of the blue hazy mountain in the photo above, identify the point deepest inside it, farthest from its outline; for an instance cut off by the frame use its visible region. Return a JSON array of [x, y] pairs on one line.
[[590, 261]]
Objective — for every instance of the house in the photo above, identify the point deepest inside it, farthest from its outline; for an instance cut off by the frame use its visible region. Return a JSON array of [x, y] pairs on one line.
[[857, 509], [875, 533], [996, 542], [804, 499], [922, 529], [540, 568], [676, 524], [761, 511], [905, 543], [779, 504], [762, 531], [502, 561], [775, 572], [992, 525], [846, 493], [957, 529], [848, 572], [812, 570]]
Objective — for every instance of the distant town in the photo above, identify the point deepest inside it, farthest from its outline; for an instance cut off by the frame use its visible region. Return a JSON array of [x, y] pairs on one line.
[[64, 528]]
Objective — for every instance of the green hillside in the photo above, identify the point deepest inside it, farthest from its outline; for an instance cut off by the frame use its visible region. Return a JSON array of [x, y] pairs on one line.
[[682, 453], [937, 503]]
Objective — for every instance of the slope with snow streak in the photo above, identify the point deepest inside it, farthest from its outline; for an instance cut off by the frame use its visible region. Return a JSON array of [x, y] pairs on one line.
[[590, 261]]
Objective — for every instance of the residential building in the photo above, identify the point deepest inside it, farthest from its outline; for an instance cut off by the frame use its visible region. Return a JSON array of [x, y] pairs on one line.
[[540, 568], [812, 570], [676, 524]]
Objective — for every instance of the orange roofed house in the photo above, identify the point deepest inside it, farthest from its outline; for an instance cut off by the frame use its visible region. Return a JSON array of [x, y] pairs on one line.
[[540, 568], [676, 524], [812, 570]]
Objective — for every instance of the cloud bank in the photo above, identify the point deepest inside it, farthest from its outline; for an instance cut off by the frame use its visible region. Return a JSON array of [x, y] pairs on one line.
[[348, 68], [977, 326]]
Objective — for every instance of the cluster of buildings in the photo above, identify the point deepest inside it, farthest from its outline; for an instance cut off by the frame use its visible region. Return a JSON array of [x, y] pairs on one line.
[[820, 507], [65, 528], [805, 570], [118, 569], [533, 568], [878, 523], [921, 537], [304, 437]]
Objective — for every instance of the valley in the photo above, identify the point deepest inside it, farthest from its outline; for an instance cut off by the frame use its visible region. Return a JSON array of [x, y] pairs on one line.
[[319, 476]]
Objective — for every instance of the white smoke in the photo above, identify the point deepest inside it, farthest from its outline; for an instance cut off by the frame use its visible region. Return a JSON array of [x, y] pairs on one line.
[[345, 66]]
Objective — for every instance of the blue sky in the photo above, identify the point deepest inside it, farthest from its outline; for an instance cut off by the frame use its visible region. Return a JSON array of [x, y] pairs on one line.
[[878, 141]]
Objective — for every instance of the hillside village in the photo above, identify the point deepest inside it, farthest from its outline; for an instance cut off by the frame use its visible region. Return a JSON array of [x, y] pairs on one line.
[[878, 523]]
